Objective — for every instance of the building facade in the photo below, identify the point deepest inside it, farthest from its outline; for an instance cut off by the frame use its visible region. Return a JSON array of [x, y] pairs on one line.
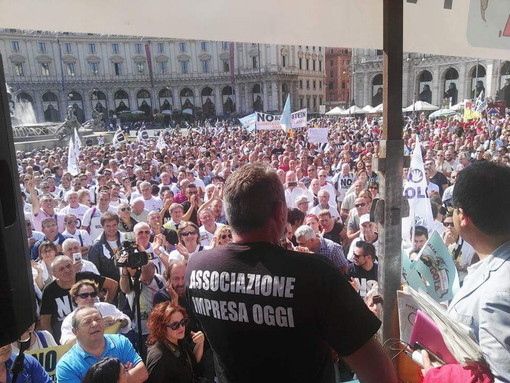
[[116, 74], [338, 77], [439, 80]]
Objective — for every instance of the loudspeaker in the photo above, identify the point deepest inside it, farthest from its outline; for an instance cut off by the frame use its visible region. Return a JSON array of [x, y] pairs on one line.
[[17, 297]]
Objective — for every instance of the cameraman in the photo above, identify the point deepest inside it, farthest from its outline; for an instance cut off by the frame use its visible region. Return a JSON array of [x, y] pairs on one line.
[[150, 283]]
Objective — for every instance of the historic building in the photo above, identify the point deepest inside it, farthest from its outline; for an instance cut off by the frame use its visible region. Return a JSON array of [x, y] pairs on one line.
[[116, 74], [338, 77], [439, 80]]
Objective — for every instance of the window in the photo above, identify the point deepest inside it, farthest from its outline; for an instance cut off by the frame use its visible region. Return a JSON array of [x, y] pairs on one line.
[[254, 62], [300, 84], [284, 61], [313, 64], [68, 48], [320, 49], [138, 49], [315, 102], [320, 66], [15, 46], [45, 69], [42, 47], [320, 86], [331, 85], [117, 67], [162, 67], [161, 48], [314, 84], [307, 64], [331, 73], [92, 48], [184, 66], [379, 52], [182, 47], [331, 63], [140, 67], [226, 66], [70, 69], [307, 84], [205, 66], [203, 46], [225, 45], [301, 102], [94, 68], [343, 84], [18, 68], [300, 63], [308, 102], [320, 98], [115, 48], [332, 51]]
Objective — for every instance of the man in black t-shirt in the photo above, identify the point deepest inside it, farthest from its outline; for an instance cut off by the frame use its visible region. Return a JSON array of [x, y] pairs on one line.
[[56, 301], [270, 314], [363, 272]]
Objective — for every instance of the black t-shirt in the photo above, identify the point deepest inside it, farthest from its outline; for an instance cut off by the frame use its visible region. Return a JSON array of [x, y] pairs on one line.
[[57, 302], [272, 315], [165, 365], [365, 278], [194, 215], [334, 234], [439, 179], [170, 235]]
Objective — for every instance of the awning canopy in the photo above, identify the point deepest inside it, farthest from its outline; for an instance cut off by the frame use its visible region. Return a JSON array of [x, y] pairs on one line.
[[452, 28]]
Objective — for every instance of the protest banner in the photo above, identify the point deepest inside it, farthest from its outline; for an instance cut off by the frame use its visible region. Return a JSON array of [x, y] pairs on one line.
[[433, 270], [49, 356], [318, 135]]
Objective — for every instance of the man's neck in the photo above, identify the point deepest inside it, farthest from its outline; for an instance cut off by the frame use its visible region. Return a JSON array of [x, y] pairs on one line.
[[95, 348], [211, 228], [368, 266], [112, 237], [66, 285]]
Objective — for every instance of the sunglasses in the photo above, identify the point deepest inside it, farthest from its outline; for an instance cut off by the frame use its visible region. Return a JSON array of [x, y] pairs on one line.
[[189, 233], [175, 325], [87, 295], [125, 209], [448, 224], [224, 236], [360, 204]]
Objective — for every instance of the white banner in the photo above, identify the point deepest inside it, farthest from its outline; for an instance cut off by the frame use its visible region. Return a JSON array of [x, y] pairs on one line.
[[299, 119], [266, 121], [415, 190], [318, 135]]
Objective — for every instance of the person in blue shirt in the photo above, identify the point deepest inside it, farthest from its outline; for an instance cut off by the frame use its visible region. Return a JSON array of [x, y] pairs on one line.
[[32, 371], [93, 345]]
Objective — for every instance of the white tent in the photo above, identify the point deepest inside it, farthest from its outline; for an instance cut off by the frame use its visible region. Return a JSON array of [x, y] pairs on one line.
[[368, 109], [334, 112], [353, 110], [420, 106], [459, 106], [377, 109]]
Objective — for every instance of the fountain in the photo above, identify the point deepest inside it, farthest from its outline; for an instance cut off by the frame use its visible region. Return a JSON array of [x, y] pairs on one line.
[[28, 134]]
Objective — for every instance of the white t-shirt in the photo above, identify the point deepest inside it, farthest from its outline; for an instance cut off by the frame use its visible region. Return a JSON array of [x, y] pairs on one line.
[[154, 203], [92, 219], [79, 212], [206, 237], [81, 236]]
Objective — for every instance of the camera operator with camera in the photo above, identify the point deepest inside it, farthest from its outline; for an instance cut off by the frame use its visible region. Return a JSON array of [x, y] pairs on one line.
[[139, 281]]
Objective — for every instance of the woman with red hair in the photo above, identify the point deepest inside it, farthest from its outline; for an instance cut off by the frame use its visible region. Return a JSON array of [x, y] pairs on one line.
[[170, 358]]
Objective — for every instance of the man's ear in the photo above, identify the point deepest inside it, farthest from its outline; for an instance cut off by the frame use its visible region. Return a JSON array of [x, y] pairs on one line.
[[464, 220]]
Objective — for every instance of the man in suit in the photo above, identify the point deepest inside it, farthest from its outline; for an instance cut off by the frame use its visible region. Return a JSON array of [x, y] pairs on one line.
[[481, 216]]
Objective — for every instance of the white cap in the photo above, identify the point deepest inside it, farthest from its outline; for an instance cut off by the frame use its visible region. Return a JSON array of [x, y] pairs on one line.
[[364, 219]]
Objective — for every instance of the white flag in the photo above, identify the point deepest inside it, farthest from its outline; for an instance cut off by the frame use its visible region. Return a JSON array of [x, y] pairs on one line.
[[118, 138], [161, 144], [285, 122], [73, 156], [77, 140], [415, 191], [142, 135]]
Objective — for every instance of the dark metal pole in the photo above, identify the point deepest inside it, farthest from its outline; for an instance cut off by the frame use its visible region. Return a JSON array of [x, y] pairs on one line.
[[390, 164]]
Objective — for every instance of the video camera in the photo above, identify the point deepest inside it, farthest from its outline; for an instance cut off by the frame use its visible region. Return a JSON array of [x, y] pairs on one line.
[[131, 256]]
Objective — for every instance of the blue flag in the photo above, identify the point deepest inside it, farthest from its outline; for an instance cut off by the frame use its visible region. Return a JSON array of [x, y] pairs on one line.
[[285, 118]]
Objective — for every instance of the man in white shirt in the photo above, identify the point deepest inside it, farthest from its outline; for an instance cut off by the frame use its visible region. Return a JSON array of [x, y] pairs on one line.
[[150, 202], [209, 226], [74, 207], [294, 190], [83, 238], [70, 247]]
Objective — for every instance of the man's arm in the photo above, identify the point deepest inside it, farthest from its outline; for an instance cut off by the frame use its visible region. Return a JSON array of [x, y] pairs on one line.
[[137, 374], [125, 283], [378, 370], [34, 199], [111, 287], [45, 322]]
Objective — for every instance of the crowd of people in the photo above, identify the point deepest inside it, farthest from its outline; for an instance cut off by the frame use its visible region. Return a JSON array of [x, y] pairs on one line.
[[170, 200]]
